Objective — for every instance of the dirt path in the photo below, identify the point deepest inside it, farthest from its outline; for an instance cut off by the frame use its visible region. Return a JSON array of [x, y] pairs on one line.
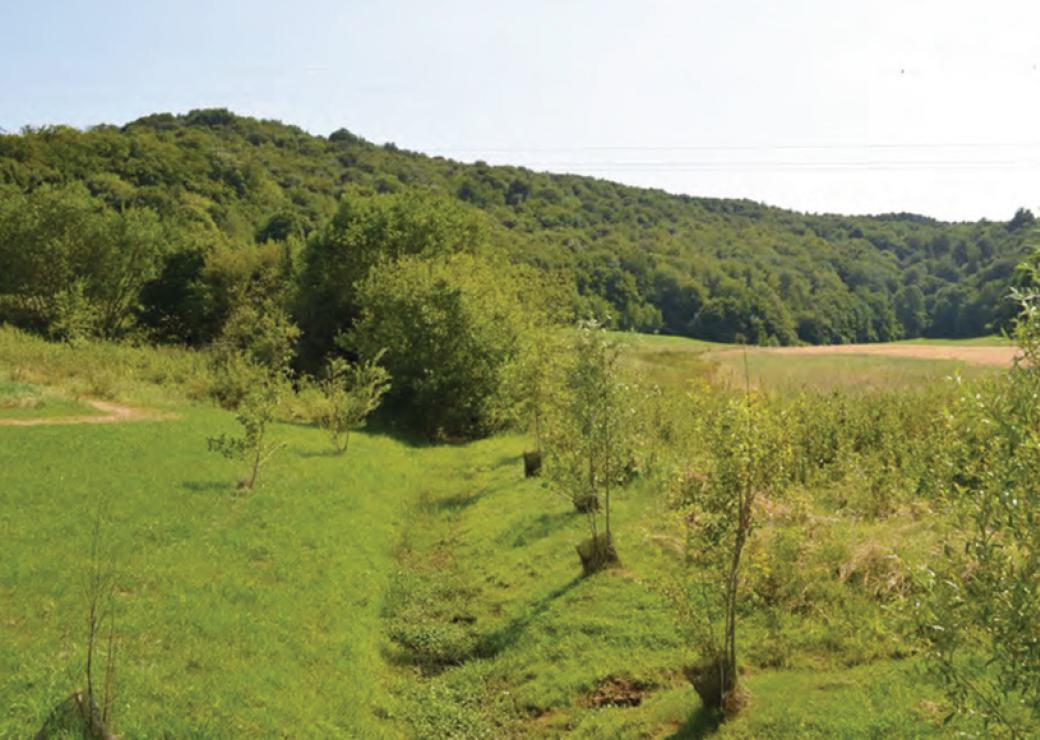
[[992, 356], [112, 413]]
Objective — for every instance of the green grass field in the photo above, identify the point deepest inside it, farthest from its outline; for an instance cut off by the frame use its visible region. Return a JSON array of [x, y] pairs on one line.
[[406, 590], [236, 614], [993, 340]]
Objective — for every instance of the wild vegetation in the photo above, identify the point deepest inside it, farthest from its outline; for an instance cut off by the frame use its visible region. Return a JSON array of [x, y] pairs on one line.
[[350, 392], [767, 543], [457, 607]]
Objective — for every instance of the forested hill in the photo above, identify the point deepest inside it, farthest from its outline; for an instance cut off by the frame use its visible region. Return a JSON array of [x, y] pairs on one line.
[[211, 187]]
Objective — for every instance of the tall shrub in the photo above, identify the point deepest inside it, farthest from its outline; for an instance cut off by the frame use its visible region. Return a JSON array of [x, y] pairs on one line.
[[446, 329]]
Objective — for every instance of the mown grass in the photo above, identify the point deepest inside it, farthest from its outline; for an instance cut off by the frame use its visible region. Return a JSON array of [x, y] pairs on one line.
[[664, 341], [425, 591], [237, 615]]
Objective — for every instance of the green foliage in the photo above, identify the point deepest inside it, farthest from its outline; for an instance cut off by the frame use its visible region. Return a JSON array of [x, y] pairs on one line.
[[534, 378], [747, 454], [73, 317], [256, 412], [255, 349], [72, 267], [146, 213], [591, 442], [263, 335], [446, 329], [364, 233], [251, 360], [909, 307], [983, 615], [350, 392]]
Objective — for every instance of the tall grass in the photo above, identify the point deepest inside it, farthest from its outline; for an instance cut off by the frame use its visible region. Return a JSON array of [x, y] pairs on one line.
[[104, 370]]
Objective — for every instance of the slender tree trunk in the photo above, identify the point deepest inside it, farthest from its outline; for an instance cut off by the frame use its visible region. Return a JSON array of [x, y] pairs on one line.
[[94, 596], [256, 468], [537, 428], [592, 492], [730, 646], [110, 666], [91, 640]]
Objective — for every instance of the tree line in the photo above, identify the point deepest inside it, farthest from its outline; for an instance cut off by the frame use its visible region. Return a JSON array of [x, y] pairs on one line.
[[159, 228]]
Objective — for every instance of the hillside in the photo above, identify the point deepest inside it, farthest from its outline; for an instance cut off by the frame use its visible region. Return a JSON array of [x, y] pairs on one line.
[[210, 183]]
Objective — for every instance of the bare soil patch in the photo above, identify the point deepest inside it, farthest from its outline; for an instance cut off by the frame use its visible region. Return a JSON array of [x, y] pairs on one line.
[[617, 692], [111, 413]]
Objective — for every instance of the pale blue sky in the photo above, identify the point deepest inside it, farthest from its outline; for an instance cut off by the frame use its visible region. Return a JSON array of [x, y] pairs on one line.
[[821, 105]]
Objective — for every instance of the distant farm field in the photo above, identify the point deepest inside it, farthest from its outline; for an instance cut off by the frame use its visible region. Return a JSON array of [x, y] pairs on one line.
[[675, 360], [969, 354]]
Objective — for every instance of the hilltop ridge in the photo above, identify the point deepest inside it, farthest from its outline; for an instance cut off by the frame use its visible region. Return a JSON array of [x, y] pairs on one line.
[[641, 259]]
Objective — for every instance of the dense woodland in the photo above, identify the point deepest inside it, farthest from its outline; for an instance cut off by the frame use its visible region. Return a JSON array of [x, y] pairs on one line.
[[159, 228]]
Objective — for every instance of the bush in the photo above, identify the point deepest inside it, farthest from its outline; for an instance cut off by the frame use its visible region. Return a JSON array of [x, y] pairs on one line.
[[73, 268], [365, 233], [447, 329], [983, 615], [255, 348], [349, 394], [255, 415], [597, 553]]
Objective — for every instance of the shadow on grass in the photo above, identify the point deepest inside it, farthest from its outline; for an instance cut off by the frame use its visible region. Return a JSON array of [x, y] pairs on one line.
[[379, 426], [538, 528], [702, 723], [387, 424], [495, 642], [451, 504], [329, 453], [452, 653], [458, 502], [298, 423], [509, 461], [394, 425], [209, 485], [67, 720]]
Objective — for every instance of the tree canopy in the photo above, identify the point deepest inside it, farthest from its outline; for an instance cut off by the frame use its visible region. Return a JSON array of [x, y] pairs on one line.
[[156, 225]]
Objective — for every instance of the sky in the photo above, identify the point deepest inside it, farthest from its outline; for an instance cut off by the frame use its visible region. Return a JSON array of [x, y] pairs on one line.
[[820, 105]]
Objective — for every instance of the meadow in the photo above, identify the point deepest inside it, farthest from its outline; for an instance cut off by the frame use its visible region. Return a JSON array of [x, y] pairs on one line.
[[410, 589]]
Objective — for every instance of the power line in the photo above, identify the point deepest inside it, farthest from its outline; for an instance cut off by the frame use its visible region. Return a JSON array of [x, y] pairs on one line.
[[789, 163], [765, 163], [783, 166], [739, 147]]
